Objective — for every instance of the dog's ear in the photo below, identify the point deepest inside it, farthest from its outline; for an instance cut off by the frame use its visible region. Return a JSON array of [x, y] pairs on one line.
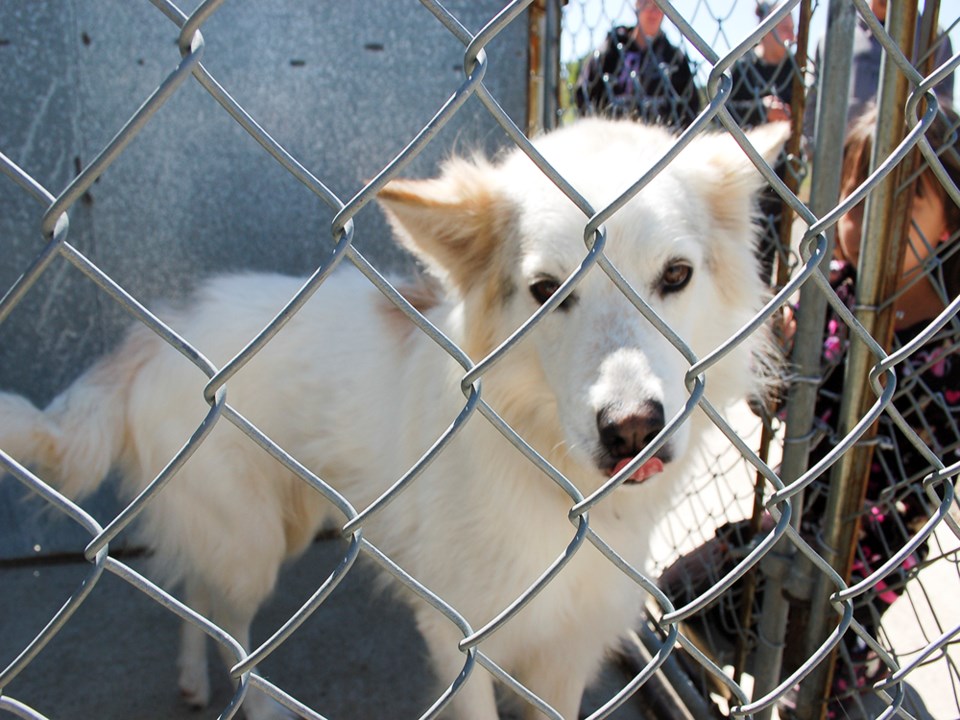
[[735, 167], [452, 223], [732, 179], [769, 139]]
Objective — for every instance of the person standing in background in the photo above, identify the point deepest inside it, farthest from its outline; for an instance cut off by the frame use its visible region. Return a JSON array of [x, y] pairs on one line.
[[763, 78], [865, 70], [638, 73], [762, 92]]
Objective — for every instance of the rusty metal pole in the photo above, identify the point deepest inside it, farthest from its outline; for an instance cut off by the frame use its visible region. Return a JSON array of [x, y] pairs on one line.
[[877, 275], [537, 59], [792, 179], [543, 87]]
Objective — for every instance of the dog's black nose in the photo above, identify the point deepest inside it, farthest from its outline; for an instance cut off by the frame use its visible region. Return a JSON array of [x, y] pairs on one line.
[[625, 435]]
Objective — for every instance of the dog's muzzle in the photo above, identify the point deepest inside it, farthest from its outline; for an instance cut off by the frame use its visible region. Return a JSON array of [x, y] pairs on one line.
[[623, 436]]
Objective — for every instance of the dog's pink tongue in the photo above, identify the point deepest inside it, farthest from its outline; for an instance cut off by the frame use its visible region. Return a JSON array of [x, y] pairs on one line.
[[648, 469]]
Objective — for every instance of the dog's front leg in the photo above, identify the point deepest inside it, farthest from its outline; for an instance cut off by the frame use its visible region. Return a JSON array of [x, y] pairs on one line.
[[565, 700], [235, 619], [475, 699], [557, 679], [194, 680]]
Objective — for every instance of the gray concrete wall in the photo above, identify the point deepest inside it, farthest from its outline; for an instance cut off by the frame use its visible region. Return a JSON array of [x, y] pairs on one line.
[[342, 85]]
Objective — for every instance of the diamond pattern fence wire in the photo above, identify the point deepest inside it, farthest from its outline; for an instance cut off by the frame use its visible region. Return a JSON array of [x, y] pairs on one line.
[[737, 628], [811, 568]]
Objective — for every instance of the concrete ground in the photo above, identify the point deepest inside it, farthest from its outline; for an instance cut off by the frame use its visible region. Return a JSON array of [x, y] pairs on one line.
[[357, 657]]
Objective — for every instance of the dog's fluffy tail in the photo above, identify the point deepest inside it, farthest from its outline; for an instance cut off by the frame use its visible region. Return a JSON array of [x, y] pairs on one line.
[[82, 433]]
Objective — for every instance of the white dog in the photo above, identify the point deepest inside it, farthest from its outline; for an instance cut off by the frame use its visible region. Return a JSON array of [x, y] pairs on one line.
[[357, 394]]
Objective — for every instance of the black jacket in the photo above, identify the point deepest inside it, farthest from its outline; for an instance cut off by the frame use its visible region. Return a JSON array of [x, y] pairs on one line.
[[622, 79]]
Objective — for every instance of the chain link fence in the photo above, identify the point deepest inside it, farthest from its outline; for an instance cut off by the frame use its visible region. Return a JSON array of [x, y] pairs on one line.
[[768, 625], [811, 568]]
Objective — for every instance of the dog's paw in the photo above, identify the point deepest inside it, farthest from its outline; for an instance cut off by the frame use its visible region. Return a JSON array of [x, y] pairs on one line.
[[194, 687]]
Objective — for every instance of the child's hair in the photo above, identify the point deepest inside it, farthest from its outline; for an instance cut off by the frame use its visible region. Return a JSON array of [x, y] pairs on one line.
[[943, 138], [763, 9]]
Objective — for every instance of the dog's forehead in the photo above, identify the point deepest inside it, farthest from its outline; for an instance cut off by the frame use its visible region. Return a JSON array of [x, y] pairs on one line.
[[655, 224], [600, 170], [664, 220], [601, 161]]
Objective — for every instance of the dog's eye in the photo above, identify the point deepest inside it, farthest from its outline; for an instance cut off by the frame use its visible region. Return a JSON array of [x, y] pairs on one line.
[[544, 288], [675, 277]]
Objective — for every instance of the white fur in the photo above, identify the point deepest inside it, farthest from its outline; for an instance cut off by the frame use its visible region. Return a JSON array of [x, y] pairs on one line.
[[356, 394]]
